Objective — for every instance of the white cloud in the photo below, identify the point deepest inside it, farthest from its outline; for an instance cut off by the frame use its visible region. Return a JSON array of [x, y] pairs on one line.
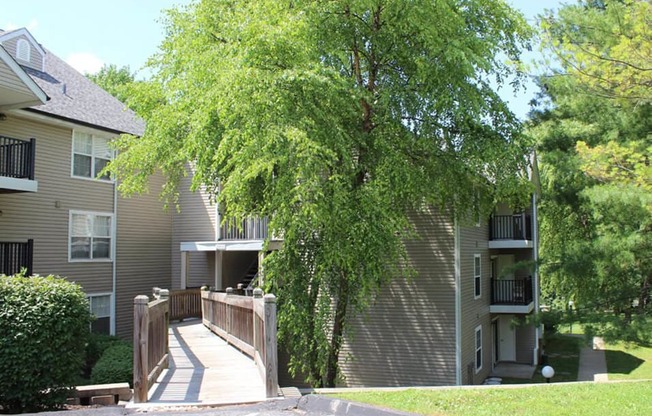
[[85, 62]]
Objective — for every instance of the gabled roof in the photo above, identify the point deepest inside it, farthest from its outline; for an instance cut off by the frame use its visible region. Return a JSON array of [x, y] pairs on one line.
[[10, 34], [75, 98], [17, 88]]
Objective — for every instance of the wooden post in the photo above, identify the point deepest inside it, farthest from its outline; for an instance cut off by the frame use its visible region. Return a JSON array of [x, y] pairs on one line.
[[141, 335], [271, 363], [165, 294], [258, 294], [229, 315]]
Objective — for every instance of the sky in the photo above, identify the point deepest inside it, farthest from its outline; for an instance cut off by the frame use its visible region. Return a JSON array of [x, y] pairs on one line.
[[90, 33]]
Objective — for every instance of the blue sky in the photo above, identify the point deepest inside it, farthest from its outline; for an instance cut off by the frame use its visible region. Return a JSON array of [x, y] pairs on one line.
[[88, 33]]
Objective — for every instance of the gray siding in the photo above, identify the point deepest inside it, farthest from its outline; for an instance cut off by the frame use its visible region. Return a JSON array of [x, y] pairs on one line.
[[407, 337], [475, 312], [195, 222], [525, 337], [144, 235], [44, 215]]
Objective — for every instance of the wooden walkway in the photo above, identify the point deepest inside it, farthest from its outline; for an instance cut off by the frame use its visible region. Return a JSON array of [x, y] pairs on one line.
[[205, 370]]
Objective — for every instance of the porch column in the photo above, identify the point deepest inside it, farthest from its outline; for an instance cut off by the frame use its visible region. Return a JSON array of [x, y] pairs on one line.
[[218, 269], [261, 272], [184, 270]]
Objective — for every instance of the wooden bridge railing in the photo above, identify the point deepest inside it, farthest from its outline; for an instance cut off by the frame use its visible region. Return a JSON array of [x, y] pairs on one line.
[[184, 304], [151, 321], [249, 324]]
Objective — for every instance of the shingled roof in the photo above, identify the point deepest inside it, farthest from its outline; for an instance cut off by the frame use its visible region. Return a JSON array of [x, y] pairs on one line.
[[75, 98]]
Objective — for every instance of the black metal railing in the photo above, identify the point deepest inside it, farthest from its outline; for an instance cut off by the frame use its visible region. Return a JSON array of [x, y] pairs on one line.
[[511, 292], [510, 227], [248, 229], [17, 158], [16, 256]]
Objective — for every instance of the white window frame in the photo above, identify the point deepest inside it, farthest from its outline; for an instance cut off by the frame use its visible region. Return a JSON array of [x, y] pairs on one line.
[[477, 276], [23, 48], [111, 237], [478, 349], [111, 309], [92, 155]]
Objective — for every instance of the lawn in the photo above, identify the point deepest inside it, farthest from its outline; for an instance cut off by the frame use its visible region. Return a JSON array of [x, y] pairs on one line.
[[628, 362], [563, 354], [626, 398]]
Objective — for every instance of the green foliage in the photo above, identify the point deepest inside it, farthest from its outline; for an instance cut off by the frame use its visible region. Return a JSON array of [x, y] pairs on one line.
[[95, 347], [593, 141], [606, 48], [114, 366], [336, 120], [114, 80], [44, 323]]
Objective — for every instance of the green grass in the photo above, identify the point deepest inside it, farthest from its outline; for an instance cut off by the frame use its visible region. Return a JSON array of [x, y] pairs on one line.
[[550, 399], [628, 362], [563, 354], [575, 328]]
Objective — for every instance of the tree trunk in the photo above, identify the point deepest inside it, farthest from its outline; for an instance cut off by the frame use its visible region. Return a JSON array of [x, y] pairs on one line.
[[338, 333]]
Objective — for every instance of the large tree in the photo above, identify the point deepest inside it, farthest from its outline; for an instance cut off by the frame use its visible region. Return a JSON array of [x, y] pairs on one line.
[[594, 140], [336, 119]]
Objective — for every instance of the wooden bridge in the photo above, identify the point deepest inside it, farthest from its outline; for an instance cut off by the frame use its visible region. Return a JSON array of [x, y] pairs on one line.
[[226, 355]]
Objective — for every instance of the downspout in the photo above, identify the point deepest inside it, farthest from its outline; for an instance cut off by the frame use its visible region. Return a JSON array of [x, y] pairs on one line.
[[114, 244], [458, 307]]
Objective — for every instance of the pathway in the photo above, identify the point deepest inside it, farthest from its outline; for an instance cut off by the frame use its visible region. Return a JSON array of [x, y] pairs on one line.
[[593, 364], [205, 370]]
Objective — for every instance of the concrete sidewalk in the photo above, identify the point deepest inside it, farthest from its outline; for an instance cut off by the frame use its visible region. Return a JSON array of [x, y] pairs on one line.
[[593, 363]]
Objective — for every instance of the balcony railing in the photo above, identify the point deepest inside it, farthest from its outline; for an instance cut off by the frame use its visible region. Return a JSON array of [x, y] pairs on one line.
[[511, 292], [16, 256], [248, 229], [17, 158], [510, 227]]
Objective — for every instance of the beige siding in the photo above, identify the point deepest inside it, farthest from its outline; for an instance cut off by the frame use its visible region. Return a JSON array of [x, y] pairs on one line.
[[195, 222], [144, 235], [44, 215], [8, 79], [407, 337], [475, 312], [36, 59]]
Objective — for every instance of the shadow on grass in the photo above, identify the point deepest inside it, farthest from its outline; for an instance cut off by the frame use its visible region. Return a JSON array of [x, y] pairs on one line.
[[621, 362]]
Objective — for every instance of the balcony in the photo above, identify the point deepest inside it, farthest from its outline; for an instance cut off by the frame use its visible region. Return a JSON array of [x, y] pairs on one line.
[[248, 229], [17, 165], [511, 296], [510, 231], [16, 256]]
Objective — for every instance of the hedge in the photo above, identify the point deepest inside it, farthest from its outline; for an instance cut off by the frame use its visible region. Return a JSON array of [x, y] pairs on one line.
[[114, 366], [44, 323]]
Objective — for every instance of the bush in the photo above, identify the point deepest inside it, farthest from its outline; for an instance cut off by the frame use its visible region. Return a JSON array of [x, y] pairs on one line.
[[96, 345], [115, 365], [44, 323]]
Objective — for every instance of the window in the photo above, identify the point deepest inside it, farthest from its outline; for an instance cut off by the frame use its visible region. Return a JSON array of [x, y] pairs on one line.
[[23, 51], [478, 349], [100, 307], [90, 155], [477, 276], [90, 236]]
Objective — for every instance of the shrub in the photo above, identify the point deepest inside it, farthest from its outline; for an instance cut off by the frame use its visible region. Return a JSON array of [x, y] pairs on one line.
[[96, 345], [115, 365], [44, 323]]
